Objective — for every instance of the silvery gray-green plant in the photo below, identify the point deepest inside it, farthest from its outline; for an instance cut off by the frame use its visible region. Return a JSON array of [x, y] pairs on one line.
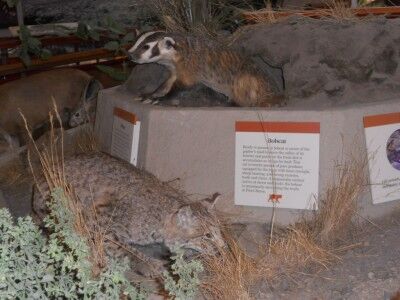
[[187, 273], [34, 267]]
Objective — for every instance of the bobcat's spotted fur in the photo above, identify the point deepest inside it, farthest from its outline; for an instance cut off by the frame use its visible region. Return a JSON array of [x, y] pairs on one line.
[[138, 210]]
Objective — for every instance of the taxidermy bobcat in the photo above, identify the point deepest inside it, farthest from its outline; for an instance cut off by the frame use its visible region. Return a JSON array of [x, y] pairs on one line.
[[139, 211]]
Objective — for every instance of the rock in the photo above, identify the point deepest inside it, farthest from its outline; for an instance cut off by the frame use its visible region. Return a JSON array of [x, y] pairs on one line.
[[146, 79], [2, 200], [334, 88], [320, 59], [253, 239], [371, 275], [378, 77], [44, 11], [196, 96]]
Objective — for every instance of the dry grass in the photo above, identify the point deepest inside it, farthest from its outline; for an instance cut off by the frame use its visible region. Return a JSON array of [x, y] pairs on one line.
[[319, 241], [85, 140], [177, 15], [51, 158], [309, 245], [336, 9], [340, 10], [13, 173], [204, 18], [338, 206], [266, 17], [297, 249], [230, 274]]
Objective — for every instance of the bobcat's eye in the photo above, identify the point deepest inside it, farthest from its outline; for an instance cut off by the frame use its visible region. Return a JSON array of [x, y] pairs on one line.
[[146, 47], [209, 235]]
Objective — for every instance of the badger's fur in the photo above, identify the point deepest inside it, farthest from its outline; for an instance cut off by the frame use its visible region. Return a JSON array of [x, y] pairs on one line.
[[193, 60]]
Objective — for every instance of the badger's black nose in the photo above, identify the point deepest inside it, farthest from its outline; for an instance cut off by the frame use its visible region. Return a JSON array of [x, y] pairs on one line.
[[130, 56]]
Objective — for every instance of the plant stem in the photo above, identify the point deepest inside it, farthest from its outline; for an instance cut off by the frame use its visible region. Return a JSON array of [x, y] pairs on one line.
[[272, 227]]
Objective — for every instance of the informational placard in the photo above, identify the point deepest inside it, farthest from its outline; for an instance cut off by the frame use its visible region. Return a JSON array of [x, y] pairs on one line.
[[277, 162], [382, 133], [125, 135]]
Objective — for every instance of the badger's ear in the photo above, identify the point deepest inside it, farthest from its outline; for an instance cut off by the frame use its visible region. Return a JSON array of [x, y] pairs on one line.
[[169, 42]]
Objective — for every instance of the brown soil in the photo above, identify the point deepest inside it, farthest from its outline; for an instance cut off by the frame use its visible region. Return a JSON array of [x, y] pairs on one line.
[[369, 271]]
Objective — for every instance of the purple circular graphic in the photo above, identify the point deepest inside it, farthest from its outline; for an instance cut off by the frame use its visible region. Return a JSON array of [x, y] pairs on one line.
[[393, 149]]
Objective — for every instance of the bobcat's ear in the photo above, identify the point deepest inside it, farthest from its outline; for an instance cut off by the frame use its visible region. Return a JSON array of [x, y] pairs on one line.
[[210, 203]]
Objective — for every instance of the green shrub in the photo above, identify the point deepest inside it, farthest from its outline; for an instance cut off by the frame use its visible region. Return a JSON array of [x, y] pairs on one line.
[[187, 274], [34, 267]]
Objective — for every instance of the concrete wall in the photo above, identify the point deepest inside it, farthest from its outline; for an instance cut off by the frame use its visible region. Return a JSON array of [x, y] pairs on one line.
[[197, 145]]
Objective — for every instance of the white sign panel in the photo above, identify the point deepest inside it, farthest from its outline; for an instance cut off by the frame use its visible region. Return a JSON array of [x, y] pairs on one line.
[[125, 135], [277, 162], [382, 133]]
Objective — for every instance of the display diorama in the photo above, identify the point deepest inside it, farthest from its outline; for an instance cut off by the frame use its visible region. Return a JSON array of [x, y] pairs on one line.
[[189, 149]]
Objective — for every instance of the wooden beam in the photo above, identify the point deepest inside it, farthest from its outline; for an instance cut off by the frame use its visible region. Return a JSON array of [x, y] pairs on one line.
[[13, 42], [59, 60]]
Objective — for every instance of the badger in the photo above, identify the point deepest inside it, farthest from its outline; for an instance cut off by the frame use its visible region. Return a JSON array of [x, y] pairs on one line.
[[192, 60]]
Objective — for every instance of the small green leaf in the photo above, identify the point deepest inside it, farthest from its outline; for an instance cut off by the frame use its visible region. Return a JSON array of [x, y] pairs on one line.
[[24, 56], [45, 54], [113, 36], [128, 38], [12, 3], [113, 73], [94, 35], [112, 46], [82, 31]]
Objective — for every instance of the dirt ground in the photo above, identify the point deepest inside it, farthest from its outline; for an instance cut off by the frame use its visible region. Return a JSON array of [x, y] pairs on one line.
[[370, 270]]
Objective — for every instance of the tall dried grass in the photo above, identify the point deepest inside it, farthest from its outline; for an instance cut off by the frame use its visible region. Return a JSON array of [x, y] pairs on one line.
[[319, 241], [335, 9], [51, 159], [85, 140], [309, 245], [87, 221], [230, 274], [199, 17], [340, 10], [13, 173], [338, 206]]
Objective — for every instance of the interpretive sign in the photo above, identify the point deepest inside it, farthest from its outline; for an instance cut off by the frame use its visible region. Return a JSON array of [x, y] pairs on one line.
[[125, 135], [382, 133], [277, 162]]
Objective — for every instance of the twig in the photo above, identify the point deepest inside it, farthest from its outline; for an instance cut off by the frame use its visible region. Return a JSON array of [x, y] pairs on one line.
[[369, 221], [272, 227]]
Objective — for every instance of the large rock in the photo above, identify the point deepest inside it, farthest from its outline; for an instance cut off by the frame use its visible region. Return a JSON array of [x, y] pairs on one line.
[[145, 79], [345, 61], [126, 12]]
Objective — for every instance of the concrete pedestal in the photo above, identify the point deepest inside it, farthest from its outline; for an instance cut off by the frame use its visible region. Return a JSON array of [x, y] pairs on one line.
[[196, 146]]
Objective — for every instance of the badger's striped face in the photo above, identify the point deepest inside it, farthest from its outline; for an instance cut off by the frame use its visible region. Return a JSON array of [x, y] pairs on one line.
[[153, 47]]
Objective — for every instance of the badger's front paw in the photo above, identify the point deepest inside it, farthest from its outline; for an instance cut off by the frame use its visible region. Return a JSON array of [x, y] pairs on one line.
[[150, 101]]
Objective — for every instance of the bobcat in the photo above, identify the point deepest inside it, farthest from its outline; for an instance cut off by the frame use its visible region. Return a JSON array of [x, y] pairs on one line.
[[140, 212]]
